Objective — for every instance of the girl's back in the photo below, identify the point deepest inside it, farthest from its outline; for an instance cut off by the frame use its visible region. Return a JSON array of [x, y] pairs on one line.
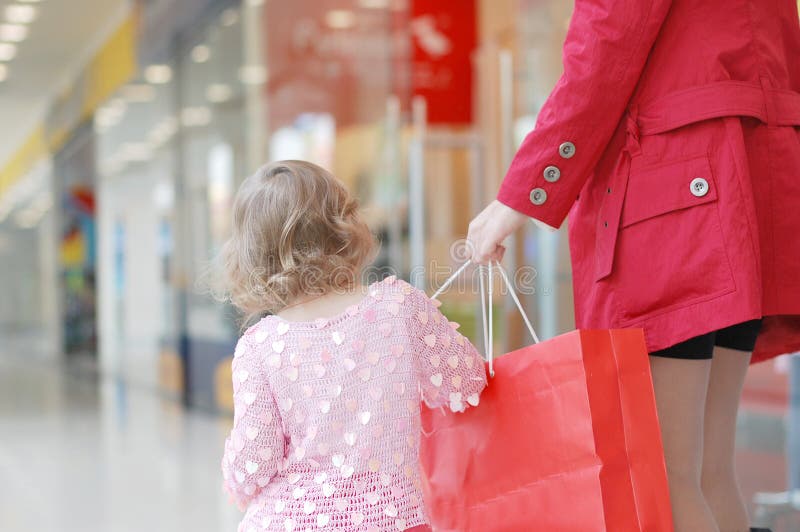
[[327, 412]]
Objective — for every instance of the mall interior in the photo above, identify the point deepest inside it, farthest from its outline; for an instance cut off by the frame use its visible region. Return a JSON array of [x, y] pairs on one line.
[[126, 127]]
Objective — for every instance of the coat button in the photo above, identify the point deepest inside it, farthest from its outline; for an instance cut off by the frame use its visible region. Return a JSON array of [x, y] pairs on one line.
[[552, 174], [538, 196], [699, 187], [566, 150]]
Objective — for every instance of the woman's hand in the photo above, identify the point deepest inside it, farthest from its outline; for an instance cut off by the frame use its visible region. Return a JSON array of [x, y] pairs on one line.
[[488, 230]]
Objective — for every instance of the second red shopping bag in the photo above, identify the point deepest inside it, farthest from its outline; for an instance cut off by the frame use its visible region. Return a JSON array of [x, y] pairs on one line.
[[566, 438]]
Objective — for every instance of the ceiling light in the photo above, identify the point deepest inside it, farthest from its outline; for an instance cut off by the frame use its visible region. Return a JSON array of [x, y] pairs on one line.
[[7, 51], [3, 73], [136, 152], [139, 93], [229, 17], [219, 93], [26, 219], [374, 4], [340, 19], [195, 116], [253, 75], [162, 131], [110, 114], [19, 14], [256, 3], [158, 74], [13, 32], [42, 203], [201, 53]]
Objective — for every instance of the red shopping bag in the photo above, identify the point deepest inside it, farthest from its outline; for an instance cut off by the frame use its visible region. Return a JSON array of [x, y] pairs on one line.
[[566, 438]]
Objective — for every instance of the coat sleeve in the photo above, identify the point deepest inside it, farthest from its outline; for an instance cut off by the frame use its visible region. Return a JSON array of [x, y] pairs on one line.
[[255, 448], [605, 51]]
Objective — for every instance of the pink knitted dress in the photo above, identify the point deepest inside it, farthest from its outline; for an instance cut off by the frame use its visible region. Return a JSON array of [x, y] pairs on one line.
[[326, 424]]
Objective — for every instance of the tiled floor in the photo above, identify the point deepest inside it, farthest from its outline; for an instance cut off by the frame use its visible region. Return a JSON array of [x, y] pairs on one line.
[[81, 454], [78, 455]]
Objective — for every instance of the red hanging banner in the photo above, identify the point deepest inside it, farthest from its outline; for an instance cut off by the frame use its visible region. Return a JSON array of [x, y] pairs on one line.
[[444, 36]]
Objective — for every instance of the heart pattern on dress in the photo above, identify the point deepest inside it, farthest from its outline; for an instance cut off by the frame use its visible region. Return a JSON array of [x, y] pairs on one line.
[[265, 453], [341, 504], [340, 392], [474, 399], [285, 403], [375, 392], [261, 335]]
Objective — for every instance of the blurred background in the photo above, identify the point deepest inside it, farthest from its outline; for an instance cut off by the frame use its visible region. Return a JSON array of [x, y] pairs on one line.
[[125, 129]]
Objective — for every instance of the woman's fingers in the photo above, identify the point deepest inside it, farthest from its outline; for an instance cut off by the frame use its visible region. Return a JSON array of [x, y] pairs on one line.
[[482, 245], [498, 254], [488, 230]]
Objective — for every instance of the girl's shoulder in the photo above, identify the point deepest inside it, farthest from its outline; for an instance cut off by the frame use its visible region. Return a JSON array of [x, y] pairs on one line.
[[408, 294], [254, 337], [393, 285], [389, 285], [399, 293], [261, 329], [391, 294]]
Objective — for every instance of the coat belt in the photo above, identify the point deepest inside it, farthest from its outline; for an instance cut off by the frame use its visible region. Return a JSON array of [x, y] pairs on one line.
[[774, 107]]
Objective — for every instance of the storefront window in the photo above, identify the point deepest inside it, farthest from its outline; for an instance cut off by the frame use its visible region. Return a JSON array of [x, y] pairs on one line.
[[213, 160], [337, 84], [30, 302], [388, 95], [541, 28], [135, 134]]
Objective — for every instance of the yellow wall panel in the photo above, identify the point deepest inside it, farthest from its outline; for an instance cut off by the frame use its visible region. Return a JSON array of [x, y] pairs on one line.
[[27, 155], [112, 66]]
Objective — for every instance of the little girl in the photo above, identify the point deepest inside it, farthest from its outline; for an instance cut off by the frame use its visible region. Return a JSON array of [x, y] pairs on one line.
[[327, 389]]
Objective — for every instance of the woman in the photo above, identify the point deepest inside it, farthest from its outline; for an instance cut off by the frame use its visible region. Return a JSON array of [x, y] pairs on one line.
[[672, 140]]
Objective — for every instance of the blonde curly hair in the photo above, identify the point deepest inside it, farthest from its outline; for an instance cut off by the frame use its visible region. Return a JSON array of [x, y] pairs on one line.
[[296, 232]]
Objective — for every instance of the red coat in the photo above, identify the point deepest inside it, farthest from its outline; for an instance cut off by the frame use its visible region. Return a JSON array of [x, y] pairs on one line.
[[672, 140]]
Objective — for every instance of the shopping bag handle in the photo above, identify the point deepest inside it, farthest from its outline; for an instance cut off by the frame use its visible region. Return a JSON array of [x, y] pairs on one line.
[[486, 306]]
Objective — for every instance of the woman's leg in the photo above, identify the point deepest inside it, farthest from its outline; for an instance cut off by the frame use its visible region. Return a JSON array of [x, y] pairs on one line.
[[719, 482], [680, 387]]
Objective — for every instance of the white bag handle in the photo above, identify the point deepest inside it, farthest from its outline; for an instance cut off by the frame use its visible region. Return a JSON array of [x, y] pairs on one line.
[[488, 329]]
